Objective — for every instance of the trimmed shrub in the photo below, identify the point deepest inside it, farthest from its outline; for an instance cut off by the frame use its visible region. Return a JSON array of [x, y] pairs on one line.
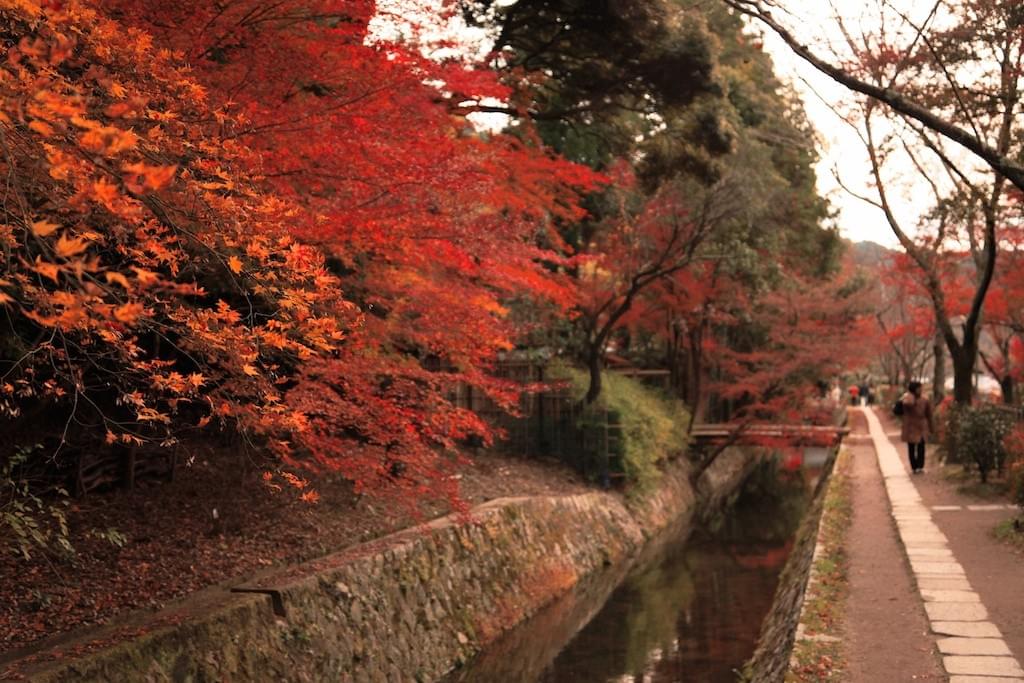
[[1014, 445], [974, 435], [653, 425]]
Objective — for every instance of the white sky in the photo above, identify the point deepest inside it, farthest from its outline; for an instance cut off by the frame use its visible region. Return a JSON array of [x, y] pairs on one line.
[[841, 150]]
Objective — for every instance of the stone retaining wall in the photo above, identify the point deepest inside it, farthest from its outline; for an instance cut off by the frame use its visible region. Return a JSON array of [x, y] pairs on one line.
[[407, 607], [770, 661]]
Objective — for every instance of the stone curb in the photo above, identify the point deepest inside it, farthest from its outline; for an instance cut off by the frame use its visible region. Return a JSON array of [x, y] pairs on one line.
[[811, 592]]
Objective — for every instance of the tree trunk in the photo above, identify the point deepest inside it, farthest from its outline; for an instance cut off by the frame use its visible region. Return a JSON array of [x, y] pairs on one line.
[[673, 356], [695, 370], [1006, 384], [594, 366], [963, 374], [939, 371]]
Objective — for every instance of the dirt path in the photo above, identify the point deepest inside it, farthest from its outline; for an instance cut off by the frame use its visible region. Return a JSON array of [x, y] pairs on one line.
[[995, 570], [887, 631]]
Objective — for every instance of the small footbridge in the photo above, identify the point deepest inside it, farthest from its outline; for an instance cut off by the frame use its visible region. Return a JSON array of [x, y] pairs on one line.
[[747, 434], [808, 445]]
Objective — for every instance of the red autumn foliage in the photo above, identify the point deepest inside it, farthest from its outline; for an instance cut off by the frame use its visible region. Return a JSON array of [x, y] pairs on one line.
[[149, 285], [760, 354], [291, 137]]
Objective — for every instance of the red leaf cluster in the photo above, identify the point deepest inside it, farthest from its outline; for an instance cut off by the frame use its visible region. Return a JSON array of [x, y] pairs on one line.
[[258, 215]]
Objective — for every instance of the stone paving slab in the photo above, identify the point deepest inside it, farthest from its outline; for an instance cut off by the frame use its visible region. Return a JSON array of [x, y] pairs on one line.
[[918, 516], [949, 596], [902, 498], [940, 568], [984, 679], [932, 540], [923, 539], [922, 553], [967, 629], [956, 611], [982, 666], [974, 646], [946, 508], [946, 583], [919, 527], [906, 518], [903, 492]]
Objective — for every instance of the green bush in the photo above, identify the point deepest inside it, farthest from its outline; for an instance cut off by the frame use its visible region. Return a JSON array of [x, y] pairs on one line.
[[653, 425], [32, 522], [1014, 444], [975, 435]]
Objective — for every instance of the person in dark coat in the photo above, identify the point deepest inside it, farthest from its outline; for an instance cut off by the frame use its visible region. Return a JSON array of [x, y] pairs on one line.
[[918, 424]]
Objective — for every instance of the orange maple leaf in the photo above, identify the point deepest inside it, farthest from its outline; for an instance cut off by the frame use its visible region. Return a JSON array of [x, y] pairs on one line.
[[140, 177], [41, 127], [128, 313], [43, 228], [67, 248], [50, 270], [115, 277], [104, 191]]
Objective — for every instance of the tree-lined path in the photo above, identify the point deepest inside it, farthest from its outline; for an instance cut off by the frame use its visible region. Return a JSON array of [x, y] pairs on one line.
[[279, 277], [964, 603]]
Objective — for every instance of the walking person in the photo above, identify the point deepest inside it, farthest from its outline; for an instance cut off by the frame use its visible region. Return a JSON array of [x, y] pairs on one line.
[[918, 423]]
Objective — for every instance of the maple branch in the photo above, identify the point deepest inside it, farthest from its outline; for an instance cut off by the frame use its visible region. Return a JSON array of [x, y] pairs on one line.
[[892, 98], [989, 365], [944, 212], [927, 266], [918, 36], [856, 195], [550, 115], [956, 174], [954, 86]]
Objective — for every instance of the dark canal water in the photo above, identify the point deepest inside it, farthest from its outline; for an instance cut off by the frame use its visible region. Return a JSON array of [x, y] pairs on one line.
[[690, 610]]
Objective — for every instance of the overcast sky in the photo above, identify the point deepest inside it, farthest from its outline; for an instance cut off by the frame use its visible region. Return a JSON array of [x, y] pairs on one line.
[[841, 150]]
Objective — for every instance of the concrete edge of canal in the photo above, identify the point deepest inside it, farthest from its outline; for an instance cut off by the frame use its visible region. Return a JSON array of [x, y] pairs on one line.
[[771, 660], [409, 606]]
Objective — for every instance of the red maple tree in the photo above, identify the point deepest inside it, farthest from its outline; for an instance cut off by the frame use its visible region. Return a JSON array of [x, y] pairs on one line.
[[308, 138]]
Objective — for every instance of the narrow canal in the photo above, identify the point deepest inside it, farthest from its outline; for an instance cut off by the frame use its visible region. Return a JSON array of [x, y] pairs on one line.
[[690, 610]]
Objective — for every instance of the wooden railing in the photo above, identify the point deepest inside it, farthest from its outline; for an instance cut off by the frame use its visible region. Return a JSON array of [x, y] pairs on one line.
[[792, 434]]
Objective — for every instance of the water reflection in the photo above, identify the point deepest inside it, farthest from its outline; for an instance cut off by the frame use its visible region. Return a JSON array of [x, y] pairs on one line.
[[691, 613]]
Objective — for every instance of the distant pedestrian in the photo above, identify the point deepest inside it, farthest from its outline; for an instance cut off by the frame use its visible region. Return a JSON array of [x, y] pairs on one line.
[[854, 394], [918, 423], [865, 393]]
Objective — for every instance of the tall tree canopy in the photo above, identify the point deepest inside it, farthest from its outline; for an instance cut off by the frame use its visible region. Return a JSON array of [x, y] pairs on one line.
[[711, 158]]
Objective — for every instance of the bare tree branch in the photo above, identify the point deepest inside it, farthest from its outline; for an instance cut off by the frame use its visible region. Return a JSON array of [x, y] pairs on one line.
[[1014, 172]]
